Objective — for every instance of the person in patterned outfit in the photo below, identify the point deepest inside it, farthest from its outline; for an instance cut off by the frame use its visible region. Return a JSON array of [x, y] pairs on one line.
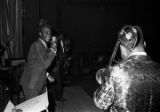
[[133, 83]]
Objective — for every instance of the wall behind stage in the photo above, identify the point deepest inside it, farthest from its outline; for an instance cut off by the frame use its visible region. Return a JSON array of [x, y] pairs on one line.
[[91, 24], [48, 11], [94, 26], [30, 22]]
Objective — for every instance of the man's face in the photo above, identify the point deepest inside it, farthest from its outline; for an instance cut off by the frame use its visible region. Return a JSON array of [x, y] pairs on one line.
[[46, 34]]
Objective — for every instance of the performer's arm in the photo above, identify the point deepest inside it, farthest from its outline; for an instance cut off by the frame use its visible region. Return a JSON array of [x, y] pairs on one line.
[[46, 59]]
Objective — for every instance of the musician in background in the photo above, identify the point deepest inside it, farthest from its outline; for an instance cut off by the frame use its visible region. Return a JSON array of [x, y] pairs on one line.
[[132, 84], [6, 75], [39, 59], [57, 70]]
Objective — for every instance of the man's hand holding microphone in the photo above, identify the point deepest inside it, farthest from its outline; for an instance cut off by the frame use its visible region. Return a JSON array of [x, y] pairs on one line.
[[53, 48]]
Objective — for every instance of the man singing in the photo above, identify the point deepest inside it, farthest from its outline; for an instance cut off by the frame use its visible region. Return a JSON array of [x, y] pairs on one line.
[[40, 57]]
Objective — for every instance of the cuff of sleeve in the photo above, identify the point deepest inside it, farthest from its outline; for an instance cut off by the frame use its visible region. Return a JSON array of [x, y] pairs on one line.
[[53, 50], [47, 74]]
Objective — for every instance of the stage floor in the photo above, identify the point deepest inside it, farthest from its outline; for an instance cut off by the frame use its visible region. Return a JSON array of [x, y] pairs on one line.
[[76, 100], [78, 96]]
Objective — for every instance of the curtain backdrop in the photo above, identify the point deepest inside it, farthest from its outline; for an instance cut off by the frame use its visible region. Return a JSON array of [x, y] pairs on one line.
[[11, 27]]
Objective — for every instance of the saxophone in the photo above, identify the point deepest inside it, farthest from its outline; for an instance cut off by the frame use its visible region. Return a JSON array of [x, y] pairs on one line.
[[103, 73], [104, 95]]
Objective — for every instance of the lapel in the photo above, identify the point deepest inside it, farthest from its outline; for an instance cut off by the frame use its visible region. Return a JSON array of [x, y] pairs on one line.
[[42, 44], [45, 45]]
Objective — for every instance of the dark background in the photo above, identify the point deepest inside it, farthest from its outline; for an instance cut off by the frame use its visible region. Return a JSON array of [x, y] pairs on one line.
[[92, 25]]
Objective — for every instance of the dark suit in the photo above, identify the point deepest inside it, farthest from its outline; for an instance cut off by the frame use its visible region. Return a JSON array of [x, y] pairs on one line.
[[57, 71], [33, 78], [60, 70]]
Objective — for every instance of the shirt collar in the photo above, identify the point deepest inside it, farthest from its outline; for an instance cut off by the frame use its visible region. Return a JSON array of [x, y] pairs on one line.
[[138, 53], [43, 43]]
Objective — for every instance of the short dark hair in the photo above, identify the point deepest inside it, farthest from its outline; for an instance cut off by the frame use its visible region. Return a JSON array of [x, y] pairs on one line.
[[41, 26]]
